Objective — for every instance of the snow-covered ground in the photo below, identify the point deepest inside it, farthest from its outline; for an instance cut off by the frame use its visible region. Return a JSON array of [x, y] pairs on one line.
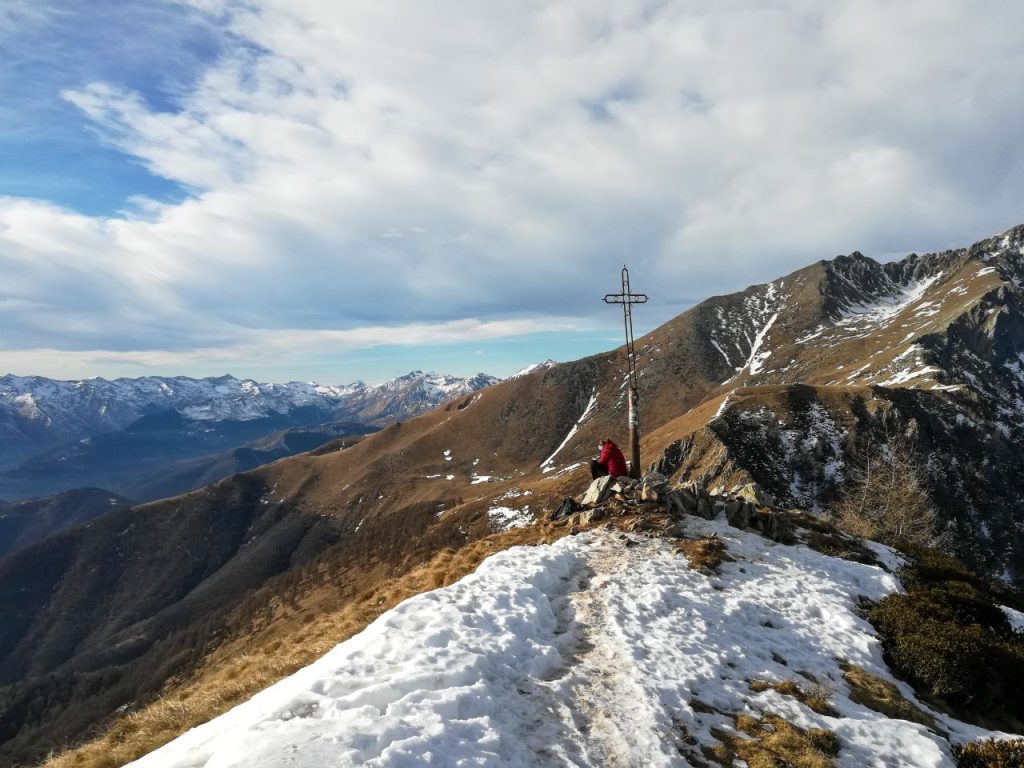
[[593, 651]]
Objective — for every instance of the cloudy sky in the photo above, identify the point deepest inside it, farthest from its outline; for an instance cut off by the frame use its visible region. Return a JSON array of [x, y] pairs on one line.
[[296, 189]]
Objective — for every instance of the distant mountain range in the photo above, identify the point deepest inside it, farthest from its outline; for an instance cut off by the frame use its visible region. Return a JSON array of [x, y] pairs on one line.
[[126, 435]]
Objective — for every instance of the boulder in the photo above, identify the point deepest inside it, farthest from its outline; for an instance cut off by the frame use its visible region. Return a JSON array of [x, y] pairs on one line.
[[753, 493], [742, 513], [704, 507], [688, 497], [597, 492]]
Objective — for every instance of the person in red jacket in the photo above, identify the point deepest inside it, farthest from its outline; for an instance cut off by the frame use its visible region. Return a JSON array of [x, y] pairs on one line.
[[610, 462]]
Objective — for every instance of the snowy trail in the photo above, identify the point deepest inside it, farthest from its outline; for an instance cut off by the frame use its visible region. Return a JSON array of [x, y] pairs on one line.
[[613, 715], [598, 650]]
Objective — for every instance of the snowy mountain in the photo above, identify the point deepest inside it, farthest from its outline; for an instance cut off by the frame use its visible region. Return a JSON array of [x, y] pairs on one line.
[[37, 414], [72, 430], [786, 384], [602, 649]]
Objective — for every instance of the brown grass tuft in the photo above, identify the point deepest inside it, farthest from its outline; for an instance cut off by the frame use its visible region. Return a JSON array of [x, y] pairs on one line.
[[882, 696], [772, 742], [703, 554], [990, 753], [816, 696]]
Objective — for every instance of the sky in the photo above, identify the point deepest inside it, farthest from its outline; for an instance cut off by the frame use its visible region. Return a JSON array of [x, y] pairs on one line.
[[306, 189]]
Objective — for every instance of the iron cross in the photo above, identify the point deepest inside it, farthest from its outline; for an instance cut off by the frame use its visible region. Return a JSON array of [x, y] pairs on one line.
[[627, 299]]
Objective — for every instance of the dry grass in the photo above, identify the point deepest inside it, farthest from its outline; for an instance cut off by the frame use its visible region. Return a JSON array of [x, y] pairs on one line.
[[882, 696], [991, 753], [817, 696], [772, 742], [703, 554], [230, 677]]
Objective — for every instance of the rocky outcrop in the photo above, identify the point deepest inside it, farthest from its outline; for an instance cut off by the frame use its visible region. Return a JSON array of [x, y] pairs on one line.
[[747, 507]]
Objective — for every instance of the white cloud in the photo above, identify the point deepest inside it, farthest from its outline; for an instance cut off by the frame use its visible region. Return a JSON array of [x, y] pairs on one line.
[[268, 350], [372, 165]]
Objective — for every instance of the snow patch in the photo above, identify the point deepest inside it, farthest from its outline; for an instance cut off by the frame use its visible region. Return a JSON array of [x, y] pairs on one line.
[[506, 518], [546, 464]]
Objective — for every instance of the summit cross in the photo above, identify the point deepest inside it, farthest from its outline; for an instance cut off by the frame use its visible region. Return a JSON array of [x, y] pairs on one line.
[[627, 299]]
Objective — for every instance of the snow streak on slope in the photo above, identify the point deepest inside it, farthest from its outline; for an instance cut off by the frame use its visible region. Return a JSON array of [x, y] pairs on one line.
[[546, 465], [744, 328], [587, 652]]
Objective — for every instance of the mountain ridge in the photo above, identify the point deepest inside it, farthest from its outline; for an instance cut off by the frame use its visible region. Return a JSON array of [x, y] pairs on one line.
[[781, 381], [38, 413]]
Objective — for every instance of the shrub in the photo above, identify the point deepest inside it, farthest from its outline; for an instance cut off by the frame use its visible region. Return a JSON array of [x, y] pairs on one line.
[[991, 753], [950, 640]]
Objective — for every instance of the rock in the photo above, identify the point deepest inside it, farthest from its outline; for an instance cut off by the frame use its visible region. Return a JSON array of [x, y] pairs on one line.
[[566, 508], [704, 507], [752, 492], [742, 512], [717, 506], [597, 492], [688, 497], [650, 493]]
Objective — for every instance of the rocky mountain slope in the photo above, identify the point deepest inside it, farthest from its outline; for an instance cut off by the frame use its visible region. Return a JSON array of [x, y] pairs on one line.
[[782, 383], [23, 522]]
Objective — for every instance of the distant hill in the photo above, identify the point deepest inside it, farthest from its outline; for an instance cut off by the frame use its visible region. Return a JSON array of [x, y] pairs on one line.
[[24, 522]]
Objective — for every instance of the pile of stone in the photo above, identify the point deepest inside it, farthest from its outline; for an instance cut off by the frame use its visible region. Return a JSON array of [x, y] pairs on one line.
[[747, 506]]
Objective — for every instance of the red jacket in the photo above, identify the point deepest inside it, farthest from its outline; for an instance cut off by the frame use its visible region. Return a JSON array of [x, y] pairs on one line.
[[612, 458]]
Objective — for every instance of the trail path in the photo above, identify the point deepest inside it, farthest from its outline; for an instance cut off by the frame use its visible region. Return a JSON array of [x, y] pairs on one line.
[[605, 714], [601, 650], [616, 715]]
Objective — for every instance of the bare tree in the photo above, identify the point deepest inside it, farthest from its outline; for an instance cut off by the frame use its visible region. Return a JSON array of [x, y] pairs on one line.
[[884, 496]]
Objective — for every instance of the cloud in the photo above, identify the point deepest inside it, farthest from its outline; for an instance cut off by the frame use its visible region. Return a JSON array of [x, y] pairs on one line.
[[266, 350], [360, 166]]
